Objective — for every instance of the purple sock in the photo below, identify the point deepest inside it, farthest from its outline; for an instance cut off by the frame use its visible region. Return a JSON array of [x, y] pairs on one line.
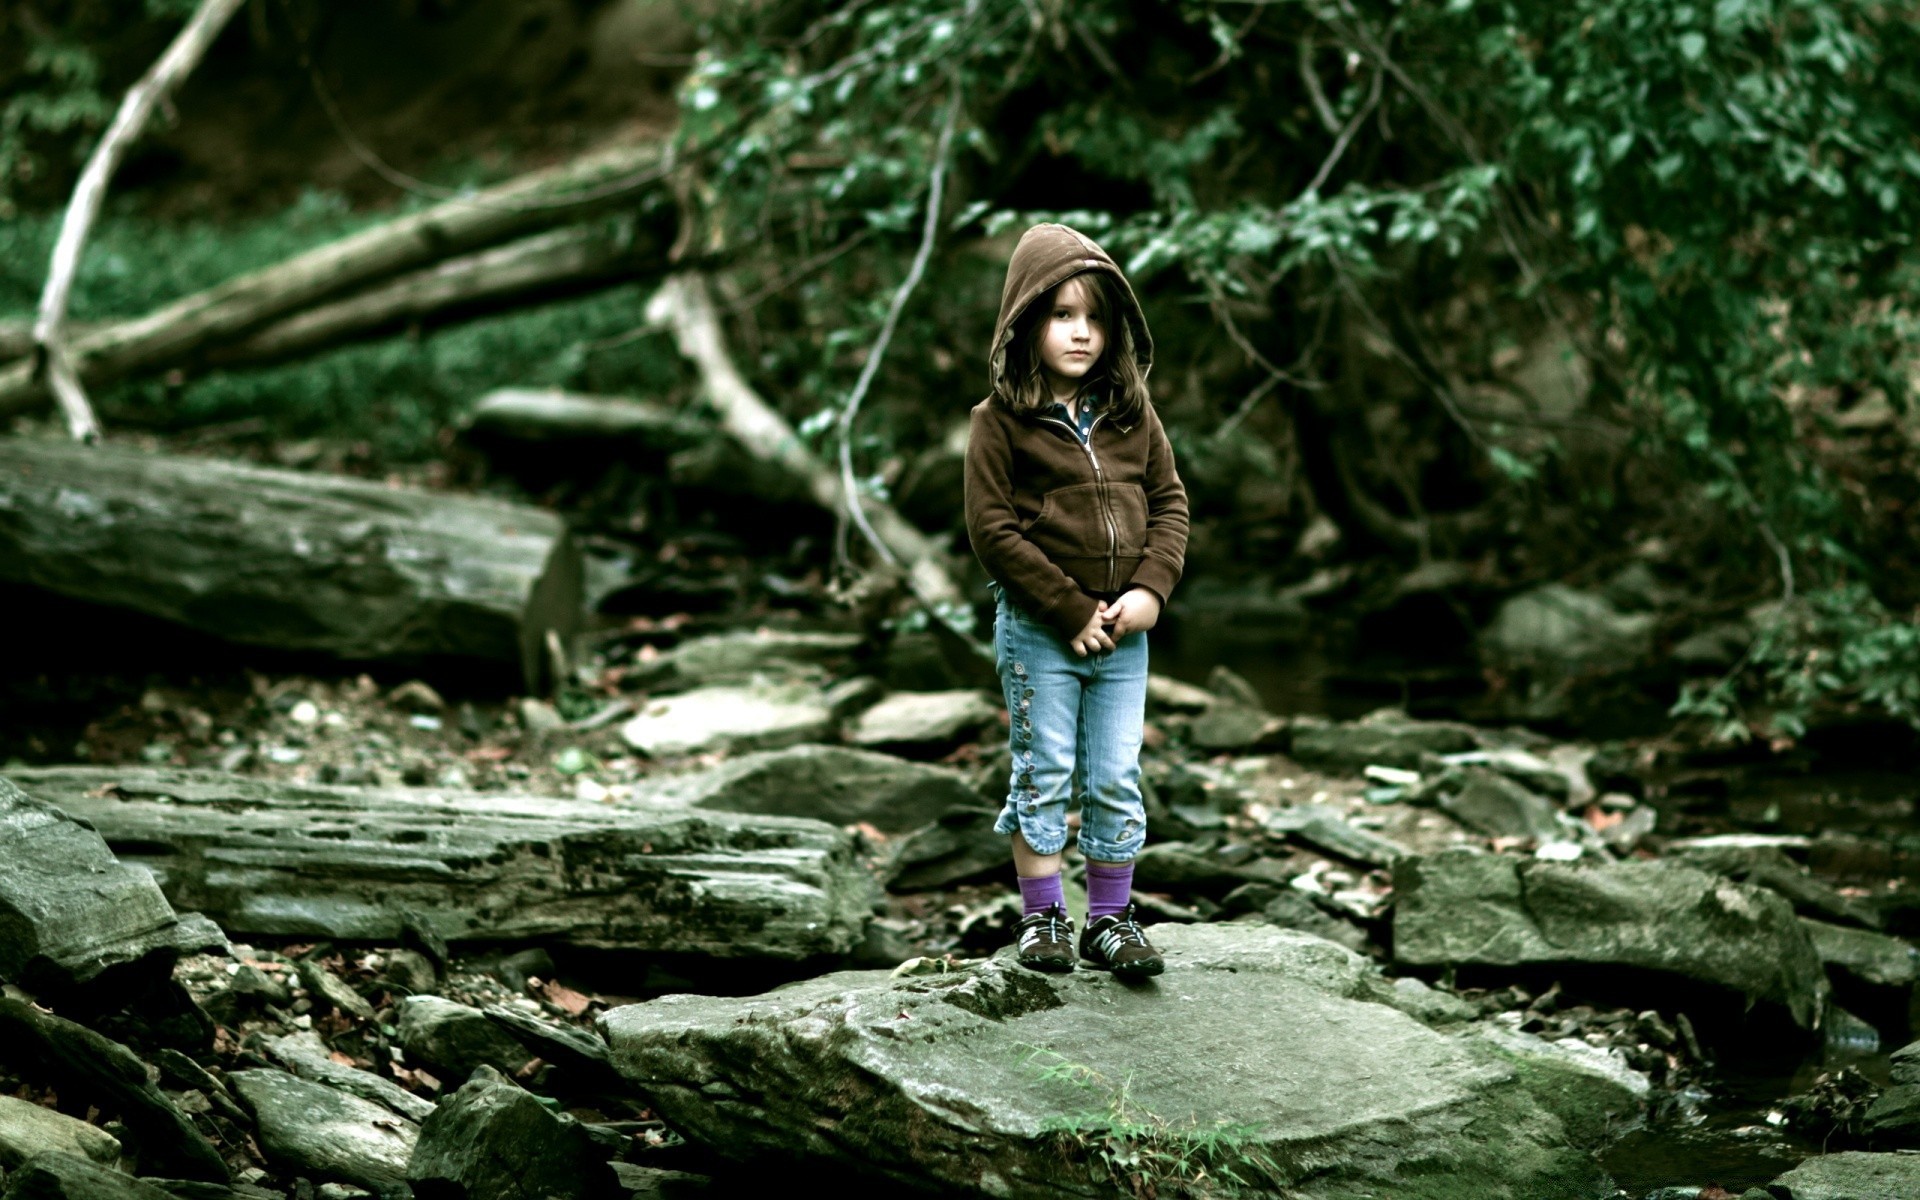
[[1107, 889], [1039, 893]]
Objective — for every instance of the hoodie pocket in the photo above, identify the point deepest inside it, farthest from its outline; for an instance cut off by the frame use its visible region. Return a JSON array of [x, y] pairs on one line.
[[1072, 523], [1130, 517]]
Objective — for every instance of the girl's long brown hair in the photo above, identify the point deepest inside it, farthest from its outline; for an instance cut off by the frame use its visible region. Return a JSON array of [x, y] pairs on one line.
[[1116, 374]]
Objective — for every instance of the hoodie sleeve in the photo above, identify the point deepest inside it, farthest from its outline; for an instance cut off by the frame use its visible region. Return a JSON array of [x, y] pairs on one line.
[[1165, 555], [993, 527]]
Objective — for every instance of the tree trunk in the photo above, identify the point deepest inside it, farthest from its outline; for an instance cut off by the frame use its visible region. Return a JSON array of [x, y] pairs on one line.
[[559, 261], [266, 858], [180, 330], [296, 561]]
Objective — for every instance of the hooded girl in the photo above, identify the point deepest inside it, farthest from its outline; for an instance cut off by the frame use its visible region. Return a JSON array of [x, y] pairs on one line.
[[1076, 511]]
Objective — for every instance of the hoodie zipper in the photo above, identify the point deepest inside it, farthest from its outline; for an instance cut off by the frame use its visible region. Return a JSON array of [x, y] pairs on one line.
[[1100, 479]]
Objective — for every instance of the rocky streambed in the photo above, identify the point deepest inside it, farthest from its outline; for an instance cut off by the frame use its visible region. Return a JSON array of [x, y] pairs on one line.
[[736, 905]]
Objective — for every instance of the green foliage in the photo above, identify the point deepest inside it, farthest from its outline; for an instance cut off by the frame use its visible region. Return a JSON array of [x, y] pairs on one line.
[[1737, 182], [1145, 1154], [62, 70], [1715, 201]]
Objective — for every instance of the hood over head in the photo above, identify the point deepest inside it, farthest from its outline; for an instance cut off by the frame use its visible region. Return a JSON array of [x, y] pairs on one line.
[[1046, 257]]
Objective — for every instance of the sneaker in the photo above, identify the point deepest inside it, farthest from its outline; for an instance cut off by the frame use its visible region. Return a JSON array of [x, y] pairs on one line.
[[1116, 943], [1044, 941]]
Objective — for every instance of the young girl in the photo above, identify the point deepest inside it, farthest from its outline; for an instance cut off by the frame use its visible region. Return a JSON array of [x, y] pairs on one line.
[[1076, 512]]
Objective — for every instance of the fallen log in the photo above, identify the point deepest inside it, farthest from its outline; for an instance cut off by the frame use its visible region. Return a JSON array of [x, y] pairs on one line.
[[178, 331], [268, 858], [557, 262], [527, 415], [296, 561]]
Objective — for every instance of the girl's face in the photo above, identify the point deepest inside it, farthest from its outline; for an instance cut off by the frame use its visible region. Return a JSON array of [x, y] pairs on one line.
[[1071, 337]]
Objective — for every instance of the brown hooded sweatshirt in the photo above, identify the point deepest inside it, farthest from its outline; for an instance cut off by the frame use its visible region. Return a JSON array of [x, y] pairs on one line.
[[1057, 524]]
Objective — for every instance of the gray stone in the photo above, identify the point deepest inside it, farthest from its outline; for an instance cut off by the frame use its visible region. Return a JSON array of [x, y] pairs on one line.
[[739, 656], [1224, 682], [1463, 907], [69, 910], [1290, 910], [1178, 867], [1168, 694], [1382, 739], [1228, 726], [1556, 782], [1716, 647], [455, 1039], [492, 1140], [333, 991], [1843, 1033], [408, 972], [1769, 867], [89, 1067], [923, 721], [310, 1129], [1557, 630], [1853, 1175], [308, 860], [752, 717], [645, 1183], [1870, 957], [1323, 827], [26, 1129], [1429, 1005], [566, 1046], [968, 1082], [538, 717], [959, 846], [306, 1055], [1894, 1117], [1905, 1064], [1498, 807], [248, 989], [829, 783], [53, 1175]]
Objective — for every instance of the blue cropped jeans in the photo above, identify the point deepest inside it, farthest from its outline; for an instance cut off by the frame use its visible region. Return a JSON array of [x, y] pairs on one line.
[[1075, 729]]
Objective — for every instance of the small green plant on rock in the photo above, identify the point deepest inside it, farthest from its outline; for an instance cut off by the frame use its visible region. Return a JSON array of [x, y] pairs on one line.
[[1146, 1154]]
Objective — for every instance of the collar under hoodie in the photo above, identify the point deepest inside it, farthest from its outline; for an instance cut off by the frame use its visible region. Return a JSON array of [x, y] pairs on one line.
[[1046, 257]]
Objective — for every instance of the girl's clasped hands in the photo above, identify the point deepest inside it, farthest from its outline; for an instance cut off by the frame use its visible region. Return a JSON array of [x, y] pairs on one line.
[[1136, 610]]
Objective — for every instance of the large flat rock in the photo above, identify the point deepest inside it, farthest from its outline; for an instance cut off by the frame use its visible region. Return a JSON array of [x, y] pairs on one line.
[[1854, 1175], [264, 858], [993, 1080], [1463, 907], [70, 911]]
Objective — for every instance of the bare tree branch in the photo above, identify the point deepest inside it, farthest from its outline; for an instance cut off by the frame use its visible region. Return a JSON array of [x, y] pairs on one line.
[[685, 304], [936, 191], [50, 350]]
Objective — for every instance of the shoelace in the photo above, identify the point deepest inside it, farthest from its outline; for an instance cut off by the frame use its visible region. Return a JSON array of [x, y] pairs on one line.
[[1051, 927], [1123, 932]]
